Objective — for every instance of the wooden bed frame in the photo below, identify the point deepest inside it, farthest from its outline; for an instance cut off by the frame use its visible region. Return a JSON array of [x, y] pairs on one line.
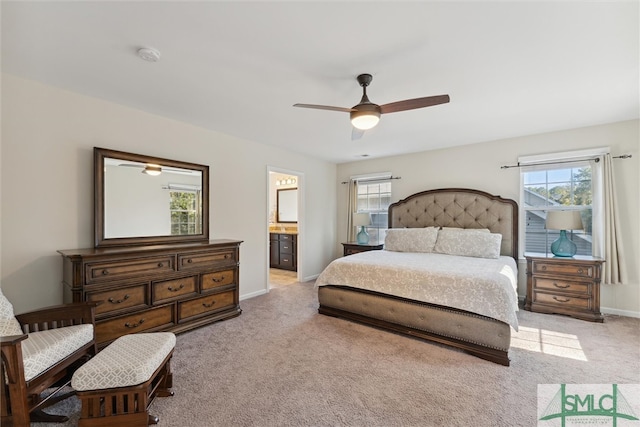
[[481, 336]]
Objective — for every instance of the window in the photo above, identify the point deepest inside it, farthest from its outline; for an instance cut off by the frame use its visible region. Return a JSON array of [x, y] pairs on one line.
[[373, 196], [185, 211], [562, 181]]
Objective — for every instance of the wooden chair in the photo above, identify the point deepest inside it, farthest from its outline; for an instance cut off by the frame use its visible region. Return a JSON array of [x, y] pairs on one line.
[[41, 350]]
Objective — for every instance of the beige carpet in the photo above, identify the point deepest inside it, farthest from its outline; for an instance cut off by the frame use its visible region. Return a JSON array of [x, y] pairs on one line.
[[282, 364]]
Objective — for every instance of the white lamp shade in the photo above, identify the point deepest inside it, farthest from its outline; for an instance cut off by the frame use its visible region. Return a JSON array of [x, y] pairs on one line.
[[361, 219], [365, 121], [564, 220]]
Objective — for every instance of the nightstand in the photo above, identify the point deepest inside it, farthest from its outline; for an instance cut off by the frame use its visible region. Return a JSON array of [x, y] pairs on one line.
[[351, 248], [569, 286]]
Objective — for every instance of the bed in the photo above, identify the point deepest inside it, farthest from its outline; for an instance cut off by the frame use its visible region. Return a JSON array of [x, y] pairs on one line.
[[467, 299]]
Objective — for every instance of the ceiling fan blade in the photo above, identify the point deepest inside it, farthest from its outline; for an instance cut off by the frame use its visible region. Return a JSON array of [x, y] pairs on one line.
[[412, 104], [356, 133], [324, 107]]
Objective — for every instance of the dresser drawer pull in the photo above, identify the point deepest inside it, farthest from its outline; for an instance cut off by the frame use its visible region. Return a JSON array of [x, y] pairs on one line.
[[134, 325], [160, 265], [118, 301], [189, 261], [227, 256], [218, 280], [561, 299], [172, 289], [105, 272], [204, 304], [580, 271], [561, 287], [544, 267]]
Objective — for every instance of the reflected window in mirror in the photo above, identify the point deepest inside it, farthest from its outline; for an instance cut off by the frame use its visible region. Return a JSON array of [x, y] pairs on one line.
[[185, 208]]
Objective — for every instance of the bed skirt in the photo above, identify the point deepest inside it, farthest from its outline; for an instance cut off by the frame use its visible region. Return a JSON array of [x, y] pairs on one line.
[[481, 336]]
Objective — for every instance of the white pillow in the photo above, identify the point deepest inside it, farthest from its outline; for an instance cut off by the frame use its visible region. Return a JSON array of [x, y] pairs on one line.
[[472, 243], [411, 239], [8, 323], [464, 230]]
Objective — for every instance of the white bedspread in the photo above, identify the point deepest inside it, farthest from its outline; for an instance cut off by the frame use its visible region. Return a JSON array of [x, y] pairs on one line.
[[478, 285]]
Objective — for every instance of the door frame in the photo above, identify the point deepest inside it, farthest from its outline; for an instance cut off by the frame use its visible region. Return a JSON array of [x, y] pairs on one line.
[[301, 218]]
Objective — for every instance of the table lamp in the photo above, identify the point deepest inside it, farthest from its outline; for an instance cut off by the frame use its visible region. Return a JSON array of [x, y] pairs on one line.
[[362, 220], [563, 221]]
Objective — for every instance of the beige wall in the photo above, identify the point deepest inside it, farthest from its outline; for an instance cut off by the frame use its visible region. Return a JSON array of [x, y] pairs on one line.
[[47, 186], [478, 166]]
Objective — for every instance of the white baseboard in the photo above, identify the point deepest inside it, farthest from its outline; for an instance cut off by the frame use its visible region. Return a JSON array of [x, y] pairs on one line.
[[617, 312], [309, 278], [253, 294]]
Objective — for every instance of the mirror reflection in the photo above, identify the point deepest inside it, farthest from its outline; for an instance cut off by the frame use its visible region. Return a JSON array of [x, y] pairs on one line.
[[141, 199], [150, 200], [287, 205]]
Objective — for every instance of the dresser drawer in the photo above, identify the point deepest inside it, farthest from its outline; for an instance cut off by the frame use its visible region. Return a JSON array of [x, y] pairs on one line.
[[207, 259], [564, 268], [114, 270], [205, 305], [119, 299], [287, 237], [286, 247], [168, 290], [160, 317], [219, 278], [583, 288], [561, 300], [286, 260]]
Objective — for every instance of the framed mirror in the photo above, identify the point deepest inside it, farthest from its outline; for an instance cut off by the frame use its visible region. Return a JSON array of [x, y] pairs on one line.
[[141, 200], [287, 205]]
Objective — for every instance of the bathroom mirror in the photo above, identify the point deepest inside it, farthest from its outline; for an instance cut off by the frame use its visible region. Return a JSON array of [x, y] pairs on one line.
[[287, 202], [142, 200]]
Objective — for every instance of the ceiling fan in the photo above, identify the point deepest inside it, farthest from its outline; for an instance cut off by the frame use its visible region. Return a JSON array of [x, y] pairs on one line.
[[366, 114]]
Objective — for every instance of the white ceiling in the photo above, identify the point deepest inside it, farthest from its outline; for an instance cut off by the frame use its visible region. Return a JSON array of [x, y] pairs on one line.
[[511, 68]]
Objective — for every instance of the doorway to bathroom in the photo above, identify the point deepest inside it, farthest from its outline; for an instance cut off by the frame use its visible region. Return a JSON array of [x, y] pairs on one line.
[[285, 224]]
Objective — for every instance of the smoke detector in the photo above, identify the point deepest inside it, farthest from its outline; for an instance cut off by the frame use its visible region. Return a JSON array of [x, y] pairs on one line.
[[149, 54]]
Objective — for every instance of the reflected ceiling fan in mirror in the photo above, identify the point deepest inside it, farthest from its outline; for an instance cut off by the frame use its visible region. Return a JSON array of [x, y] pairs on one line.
[[366, 114], [154, 169]]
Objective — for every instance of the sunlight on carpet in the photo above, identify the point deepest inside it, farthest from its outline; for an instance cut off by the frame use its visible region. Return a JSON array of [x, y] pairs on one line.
[[548, 342]]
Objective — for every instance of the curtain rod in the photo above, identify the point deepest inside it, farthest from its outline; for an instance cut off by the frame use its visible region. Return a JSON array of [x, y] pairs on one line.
[[372, 179], [595, 159]]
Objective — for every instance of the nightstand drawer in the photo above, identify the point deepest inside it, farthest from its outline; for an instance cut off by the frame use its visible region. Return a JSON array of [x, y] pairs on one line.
[[561, 300], [562, 286], [565, 268]]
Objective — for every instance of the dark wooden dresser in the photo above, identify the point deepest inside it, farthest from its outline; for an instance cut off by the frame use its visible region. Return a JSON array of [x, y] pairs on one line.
[[569, 286], [168, 287]]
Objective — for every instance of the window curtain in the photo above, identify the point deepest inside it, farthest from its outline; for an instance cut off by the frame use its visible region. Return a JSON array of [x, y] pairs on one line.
[[352, 206], [614, 271]]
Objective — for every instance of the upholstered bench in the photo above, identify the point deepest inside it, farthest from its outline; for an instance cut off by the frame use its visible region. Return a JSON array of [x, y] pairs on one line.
[[117, 385]]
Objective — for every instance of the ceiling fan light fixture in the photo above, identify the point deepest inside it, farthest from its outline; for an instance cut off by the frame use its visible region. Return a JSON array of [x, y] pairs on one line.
[[153, 170], [365, 120]]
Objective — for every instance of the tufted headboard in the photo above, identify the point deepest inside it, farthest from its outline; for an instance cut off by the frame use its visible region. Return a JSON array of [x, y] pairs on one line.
[[460, 207]]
